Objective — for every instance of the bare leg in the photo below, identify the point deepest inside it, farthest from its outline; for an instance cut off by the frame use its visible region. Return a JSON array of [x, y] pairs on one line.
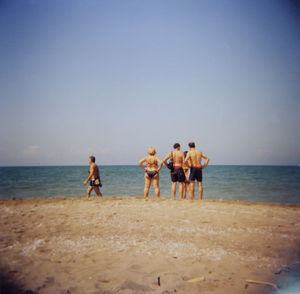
[[156, 186], [98, 192], [184, 191], [147, 186], [192, 190], [174, 189], [88, 191], [181, 190], [200, 188]]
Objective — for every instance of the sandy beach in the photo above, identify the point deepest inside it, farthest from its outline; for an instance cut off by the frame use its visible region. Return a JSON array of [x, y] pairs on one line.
[[122, 245]]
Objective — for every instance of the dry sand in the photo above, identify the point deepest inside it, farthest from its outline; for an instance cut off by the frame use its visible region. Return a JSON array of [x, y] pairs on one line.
[[122, 245]]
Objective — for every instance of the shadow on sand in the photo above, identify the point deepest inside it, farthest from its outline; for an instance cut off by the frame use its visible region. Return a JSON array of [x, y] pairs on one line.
[[9, 286]]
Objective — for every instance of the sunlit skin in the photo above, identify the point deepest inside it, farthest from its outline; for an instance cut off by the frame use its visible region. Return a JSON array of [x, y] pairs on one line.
[[93, 174], [186, 167], [178, 159], [153, 163], [195, 157]]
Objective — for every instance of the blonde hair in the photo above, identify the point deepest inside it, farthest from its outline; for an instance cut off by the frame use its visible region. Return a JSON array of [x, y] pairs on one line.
[[151, 151]]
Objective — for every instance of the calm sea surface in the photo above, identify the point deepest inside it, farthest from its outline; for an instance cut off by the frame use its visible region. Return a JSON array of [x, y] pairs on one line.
[[245, 183]]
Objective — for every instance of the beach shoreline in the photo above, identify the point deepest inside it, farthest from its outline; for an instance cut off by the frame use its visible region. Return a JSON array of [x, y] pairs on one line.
[[123, 244]]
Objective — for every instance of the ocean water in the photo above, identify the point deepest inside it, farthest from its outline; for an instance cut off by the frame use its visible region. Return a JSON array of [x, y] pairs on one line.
[[243, 183]]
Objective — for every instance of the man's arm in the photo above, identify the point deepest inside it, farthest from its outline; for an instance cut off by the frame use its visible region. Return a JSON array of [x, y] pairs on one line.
[[188, 163], [92, 169], [166, 158], [206, 160], [141, 163], [160, 164], [188, 157]]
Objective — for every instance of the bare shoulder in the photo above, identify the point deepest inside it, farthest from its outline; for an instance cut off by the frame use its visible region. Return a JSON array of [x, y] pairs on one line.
[[178, 153], [144, 159]]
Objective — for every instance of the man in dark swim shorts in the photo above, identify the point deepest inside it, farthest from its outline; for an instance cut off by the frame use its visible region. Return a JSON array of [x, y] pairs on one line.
[[196, 173], [177, 173], [94, 178], [195, 157]]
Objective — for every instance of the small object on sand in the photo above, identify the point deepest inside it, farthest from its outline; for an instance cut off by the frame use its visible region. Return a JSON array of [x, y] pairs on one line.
[[158, 281], [30, 292], [262, 283], [284, 269], [199, 279]]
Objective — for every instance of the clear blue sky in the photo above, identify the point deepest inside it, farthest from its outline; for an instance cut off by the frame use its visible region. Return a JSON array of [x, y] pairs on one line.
[[111, 78]]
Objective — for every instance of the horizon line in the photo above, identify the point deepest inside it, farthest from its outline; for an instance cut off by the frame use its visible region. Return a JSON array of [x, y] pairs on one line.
[[77, 165]]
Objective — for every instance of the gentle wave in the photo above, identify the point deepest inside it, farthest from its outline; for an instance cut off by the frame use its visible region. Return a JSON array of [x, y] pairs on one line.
[[244, 183]]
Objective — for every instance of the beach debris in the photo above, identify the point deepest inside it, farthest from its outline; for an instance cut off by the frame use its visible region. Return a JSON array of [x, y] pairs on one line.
[[194, 280], [284, 269], [262, 283], [30, 292], [158, 281]]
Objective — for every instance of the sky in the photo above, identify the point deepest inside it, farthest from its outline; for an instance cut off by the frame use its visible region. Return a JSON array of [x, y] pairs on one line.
[[111, 78]]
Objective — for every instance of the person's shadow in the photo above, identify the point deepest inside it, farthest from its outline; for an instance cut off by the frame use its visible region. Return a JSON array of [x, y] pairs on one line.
[[9, 286]]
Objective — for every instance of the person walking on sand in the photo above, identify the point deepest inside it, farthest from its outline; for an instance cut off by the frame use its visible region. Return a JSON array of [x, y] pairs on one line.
[[94, 178], [186, 169], [151, 171], [195, 157], [176, 158]]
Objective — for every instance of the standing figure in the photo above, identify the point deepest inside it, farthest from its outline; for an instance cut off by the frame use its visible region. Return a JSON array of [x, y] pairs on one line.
[[186, 169], [195, 157], [177, 174], [151, 171]]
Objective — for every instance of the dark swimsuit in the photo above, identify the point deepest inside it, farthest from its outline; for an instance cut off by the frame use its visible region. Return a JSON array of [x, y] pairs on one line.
[[151, 173], [177, 175], [196, 173], [96, 182]]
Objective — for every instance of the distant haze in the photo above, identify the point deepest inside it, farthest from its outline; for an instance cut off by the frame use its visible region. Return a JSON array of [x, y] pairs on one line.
[[112, 78]]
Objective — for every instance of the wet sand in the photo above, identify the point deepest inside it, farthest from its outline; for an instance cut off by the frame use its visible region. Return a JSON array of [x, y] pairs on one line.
[[122, 245]]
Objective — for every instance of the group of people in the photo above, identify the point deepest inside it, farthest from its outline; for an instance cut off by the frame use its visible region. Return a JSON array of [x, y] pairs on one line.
[[185, 168]]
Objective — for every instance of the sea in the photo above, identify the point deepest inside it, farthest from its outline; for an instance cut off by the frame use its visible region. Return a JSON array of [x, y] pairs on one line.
[[279, 184], [276, 184]]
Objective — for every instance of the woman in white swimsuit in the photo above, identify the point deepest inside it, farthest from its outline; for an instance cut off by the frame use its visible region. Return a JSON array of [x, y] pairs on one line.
[[151, 171]]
